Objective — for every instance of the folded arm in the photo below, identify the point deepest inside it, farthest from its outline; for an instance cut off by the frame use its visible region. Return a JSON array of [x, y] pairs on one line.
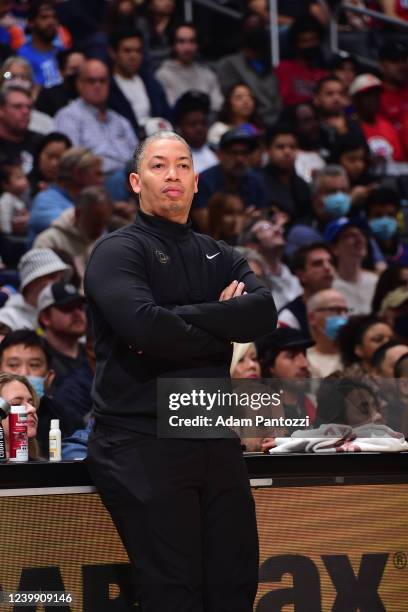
[[116, 283], [240, 319]]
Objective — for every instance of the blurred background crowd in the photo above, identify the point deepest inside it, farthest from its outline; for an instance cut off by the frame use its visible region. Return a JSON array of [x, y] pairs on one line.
[[303, 163]]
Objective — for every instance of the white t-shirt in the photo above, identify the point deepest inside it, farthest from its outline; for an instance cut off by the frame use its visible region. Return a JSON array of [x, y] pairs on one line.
[[322, 364], [203, 158], [135, 91], [358, 295]]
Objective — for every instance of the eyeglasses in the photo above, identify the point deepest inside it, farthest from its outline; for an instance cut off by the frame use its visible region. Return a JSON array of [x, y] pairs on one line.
[[335, 310], [186, 40]]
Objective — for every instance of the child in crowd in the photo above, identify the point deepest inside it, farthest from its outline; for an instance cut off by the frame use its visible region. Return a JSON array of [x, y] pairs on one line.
[[13, 212]]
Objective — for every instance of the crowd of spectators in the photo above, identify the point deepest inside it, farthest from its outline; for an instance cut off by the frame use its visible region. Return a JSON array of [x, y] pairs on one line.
[[303, 168]]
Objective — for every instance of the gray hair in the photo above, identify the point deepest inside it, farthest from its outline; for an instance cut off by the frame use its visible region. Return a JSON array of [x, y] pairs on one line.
[[75, 158], [90, 196], [331, 170], [14, 59], [11, 87], [160, 135]]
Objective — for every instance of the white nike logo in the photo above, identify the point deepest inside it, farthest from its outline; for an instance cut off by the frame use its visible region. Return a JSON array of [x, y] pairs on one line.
[[212, 256]]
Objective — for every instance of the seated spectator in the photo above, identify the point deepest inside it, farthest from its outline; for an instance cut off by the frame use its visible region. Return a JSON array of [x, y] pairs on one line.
[[78, 168], [257, 264], [77, 229], [37, 268], [303, 118], [41, 51], [327, 312], [394, 310], [61, 314], [17, 142], [134, 92], [13, 212], [183, 72], [330, 200], [290, 10], [11, 32], [382, 138], [251, 66], [393, 57], [280, 176], [314, 267], [226, 217], [331, 103], [401, 375], [349, 245], [358, 340], [158, 25], [298, 77], [25, 353], [17, 391], [245, 363], [240, 108], [345, 68], [267, 238], [283, 356], [231, 174], [19, 71], [52, 99], [351, 152], [88, 121], [391, 278], [191, 121], [383, 363], [46, 161], [347, 402], [382, 207]]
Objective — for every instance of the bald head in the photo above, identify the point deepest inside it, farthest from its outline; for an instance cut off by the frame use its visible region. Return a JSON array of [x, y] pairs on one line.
[[93, 83], [326, 299]]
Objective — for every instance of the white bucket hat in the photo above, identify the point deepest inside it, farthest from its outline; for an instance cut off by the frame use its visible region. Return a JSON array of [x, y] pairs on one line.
[[37, 263]]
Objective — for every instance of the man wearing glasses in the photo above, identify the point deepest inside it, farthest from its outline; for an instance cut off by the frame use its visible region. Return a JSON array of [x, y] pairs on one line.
[[88, 121], [327, 312]]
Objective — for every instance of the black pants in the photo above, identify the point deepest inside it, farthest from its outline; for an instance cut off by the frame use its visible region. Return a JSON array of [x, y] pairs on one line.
[[185, 513]]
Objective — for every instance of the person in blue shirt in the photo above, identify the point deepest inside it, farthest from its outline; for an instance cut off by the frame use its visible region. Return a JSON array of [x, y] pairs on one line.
[[232, 174], [40, 51]]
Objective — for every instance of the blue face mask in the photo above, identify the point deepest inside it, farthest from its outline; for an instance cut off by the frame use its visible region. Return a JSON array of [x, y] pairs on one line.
[[333, 325], [384, 228], [38, 384], [337, 204]]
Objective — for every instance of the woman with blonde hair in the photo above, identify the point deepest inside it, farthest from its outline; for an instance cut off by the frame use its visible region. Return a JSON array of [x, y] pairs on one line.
[[18, 391], [245, 362]]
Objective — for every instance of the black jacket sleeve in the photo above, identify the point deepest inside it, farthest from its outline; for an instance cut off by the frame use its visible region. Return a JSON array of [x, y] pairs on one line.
[[116, 283], [240, 319]]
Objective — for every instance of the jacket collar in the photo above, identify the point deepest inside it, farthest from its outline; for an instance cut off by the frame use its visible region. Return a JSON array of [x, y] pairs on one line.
[[160, 225]]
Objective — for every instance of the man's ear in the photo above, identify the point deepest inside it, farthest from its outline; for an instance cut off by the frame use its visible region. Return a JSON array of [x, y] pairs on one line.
[[134, 180], [49, 379], [196, 182]]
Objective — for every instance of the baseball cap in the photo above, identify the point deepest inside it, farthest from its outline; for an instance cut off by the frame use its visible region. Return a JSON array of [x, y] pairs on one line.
[[37, 263], [394, 299], [393, 51], [283, 338], [238, 135], [156, 124], [364, 82], [334, 229], [58, 294]]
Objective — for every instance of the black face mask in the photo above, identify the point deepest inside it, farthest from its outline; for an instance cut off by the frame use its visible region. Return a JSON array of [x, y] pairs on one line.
[[313, 56]]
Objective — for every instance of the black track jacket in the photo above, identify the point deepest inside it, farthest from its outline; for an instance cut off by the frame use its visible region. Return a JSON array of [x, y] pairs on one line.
[[153, 290]]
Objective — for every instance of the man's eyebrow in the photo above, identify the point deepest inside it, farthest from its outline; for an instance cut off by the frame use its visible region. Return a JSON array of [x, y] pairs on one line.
[[178, 159]]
